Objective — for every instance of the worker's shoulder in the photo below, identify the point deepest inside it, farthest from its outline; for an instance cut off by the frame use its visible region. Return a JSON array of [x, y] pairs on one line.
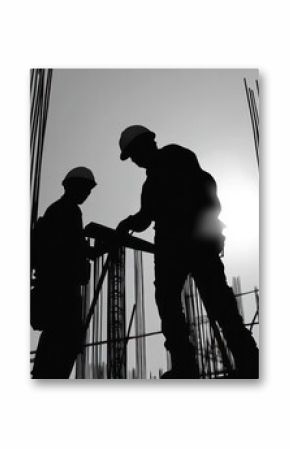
[[173, 153], [208, 178], [62, 209], [175, 149]]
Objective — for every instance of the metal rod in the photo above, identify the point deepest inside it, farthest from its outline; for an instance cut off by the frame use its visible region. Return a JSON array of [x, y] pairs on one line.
[[96, 294], [252, 120], [257, 86], [127, 338], [256, 120]]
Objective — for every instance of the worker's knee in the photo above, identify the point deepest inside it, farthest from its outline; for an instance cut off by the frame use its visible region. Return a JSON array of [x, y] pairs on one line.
[[168, 301]]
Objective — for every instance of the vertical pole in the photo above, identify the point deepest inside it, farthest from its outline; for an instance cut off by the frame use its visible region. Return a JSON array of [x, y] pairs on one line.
[[45, 93], [257, 87], [140, 344], [40, 83], [199, 336], [100, 353], [116, 322], [255, 118], [250, 105]]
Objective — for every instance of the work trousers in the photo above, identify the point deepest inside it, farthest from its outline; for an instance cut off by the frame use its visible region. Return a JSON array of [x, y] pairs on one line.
[[173, 262], [61, 339]]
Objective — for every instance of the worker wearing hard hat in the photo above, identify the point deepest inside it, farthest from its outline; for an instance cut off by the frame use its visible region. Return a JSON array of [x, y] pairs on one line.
[[180, 198], [61, 267]]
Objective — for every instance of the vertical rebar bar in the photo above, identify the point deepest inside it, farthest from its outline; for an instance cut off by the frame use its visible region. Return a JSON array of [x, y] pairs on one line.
[[140, 315], [254, 127]]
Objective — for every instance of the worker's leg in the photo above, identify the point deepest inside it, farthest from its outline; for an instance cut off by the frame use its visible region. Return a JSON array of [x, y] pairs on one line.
[[59, 344], [170, 274], [55, 356], [52, 360], [220, 302]]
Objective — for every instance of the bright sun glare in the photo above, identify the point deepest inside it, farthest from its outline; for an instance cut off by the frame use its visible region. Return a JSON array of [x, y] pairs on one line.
[[240, 214]]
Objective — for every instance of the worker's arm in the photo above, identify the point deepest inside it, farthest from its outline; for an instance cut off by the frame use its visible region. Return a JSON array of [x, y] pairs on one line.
[[142, 219], [138, 222]]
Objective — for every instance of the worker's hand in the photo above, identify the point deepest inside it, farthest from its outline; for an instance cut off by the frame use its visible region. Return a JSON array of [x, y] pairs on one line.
[[124, 226], [94, 252]]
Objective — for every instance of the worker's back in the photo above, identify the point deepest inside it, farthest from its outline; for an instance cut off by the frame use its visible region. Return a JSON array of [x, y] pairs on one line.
[[60, 252], [178, 190]]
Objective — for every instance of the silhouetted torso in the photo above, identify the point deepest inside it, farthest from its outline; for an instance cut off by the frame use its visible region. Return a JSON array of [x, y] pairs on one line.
[[176, 192], [61, 259]]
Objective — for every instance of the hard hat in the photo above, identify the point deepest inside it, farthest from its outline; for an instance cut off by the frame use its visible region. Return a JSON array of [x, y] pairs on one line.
[[128, 135], [81, 173]]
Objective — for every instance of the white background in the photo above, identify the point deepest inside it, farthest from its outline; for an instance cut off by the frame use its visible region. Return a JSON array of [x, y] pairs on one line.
[[134, 34]]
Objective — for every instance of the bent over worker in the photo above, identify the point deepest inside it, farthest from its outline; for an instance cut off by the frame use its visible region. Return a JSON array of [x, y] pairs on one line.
[[61, 267], [181, 199]]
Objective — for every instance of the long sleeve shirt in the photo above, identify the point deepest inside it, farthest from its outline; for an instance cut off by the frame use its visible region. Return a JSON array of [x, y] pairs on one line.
[[175, 194], [62, 251]]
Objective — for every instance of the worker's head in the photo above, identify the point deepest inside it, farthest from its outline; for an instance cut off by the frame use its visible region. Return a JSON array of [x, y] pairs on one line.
[[138, 144], [78, 184]]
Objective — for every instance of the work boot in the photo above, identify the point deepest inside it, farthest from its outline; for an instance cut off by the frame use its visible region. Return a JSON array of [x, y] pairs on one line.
[[246, 356], [179, 373], [248, 368], [184, 366]]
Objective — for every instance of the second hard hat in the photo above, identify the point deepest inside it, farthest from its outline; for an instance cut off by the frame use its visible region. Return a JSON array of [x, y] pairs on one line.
[[129, 135], [83, 173]]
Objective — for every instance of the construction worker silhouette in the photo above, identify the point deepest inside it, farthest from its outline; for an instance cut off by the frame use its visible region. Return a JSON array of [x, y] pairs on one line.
[[181, 199], [61, 266]]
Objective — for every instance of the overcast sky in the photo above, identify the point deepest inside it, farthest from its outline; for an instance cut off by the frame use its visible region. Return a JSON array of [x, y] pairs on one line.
[[204, 110]]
